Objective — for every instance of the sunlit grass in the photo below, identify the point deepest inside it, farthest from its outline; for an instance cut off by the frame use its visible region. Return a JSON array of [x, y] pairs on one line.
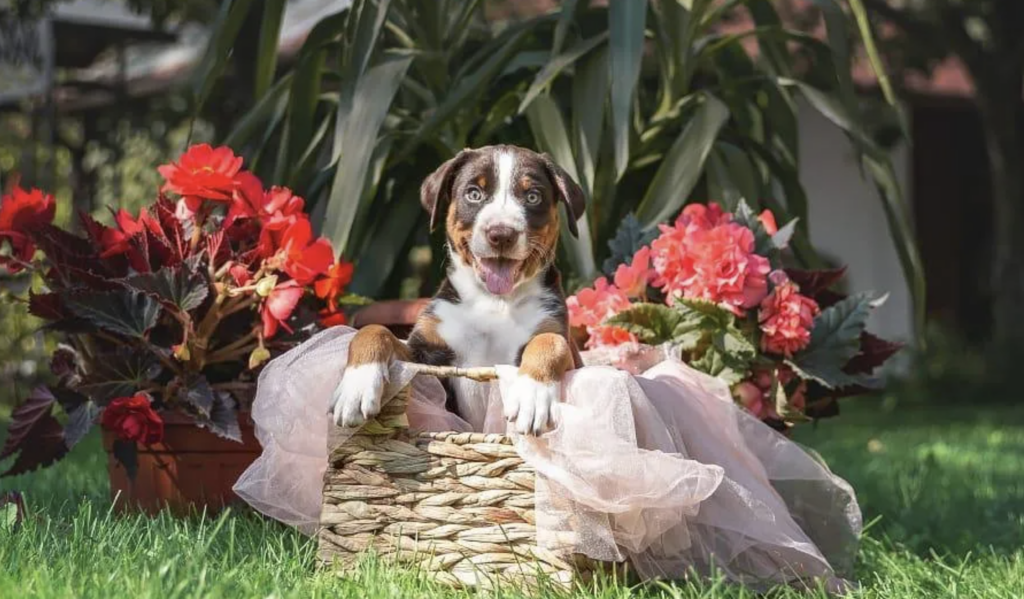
[[944, 488]]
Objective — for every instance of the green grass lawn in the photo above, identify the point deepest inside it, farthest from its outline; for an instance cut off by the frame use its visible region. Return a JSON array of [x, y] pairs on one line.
[[943, 489]]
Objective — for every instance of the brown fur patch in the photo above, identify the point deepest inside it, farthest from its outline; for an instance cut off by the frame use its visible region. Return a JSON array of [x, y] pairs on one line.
[[459, 235], [546, 358], [426, 329], [543, 245], [481, 182], [375, 344]]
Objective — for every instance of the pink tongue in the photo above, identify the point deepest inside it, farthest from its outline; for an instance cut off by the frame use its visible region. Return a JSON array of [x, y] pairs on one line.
[[498, 276]]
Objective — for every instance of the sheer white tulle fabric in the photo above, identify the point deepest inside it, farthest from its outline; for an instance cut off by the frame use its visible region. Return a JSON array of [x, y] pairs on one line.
[[651, 462]]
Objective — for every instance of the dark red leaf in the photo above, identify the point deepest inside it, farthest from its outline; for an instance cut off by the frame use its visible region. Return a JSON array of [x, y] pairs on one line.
[[815, 284], [34, 436], [874, 351], [93, 228], [138, 253], [47, 306], [216, 249]]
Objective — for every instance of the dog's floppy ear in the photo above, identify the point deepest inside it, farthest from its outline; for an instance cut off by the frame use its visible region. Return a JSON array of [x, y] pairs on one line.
[[569, 193], [436, 190]]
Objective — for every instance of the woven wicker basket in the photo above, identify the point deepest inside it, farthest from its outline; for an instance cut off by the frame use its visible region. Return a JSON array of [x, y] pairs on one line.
[[460, 506]]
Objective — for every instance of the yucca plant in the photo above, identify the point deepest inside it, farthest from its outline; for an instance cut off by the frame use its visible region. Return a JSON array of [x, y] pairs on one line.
[[650, 105]]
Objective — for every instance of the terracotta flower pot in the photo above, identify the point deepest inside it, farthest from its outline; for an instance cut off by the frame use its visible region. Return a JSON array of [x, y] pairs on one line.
[[191, 469]]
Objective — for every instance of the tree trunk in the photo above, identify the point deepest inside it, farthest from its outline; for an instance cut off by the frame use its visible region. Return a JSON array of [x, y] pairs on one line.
[[999, 101]]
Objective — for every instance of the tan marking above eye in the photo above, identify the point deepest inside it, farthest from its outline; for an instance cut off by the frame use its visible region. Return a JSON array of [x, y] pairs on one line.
[[481, 182]]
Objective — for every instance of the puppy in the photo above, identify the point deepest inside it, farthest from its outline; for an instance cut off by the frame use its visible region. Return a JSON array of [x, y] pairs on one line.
[[502, 300]]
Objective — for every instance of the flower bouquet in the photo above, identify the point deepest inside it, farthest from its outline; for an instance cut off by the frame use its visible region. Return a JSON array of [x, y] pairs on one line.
[[170, 311], [711, 289]]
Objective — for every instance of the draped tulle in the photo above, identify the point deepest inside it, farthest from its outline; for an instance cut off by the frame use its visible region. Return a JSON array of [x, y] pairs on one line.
[[650, 462]]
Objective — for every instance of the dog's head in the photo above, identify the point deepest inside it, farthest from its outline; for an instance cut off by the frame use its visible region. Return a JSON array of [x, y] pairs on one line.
[[502, 211]]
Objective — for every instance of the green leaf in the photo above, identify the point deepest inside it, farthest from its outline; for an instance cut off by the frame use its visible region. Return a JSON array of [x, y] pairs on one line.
[[785, 233], [352, 299], [651, 323], [470, 84], [557, 64], [218, 49], [122, 311], [119, 374], [871, 49], [223, 418], [683, 165], [589, 90], [628, 240], [835, 339], [550, 135], [80, 421], [303, 99], [735, 173], [783, 406], [372, 100], [252, 122], [626, 25], [565, 16], [745, 216], [266, 57], [184, 286], [718, 365], [383, 251]]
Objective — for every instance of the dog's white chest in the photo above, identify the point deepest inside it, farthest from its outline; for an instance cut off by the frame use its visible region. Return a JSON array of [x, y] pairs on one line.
[[486, 332], [483, 331]]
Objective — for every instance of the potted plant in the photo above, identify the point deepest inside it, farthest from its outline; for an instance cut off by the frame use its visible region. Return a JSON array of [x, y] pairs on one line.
[[711, 289], [165, 321]]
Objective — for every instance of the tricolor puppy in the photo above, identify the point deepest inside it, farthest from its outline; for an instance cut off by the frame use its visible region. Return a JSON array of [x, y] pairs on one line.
[[502, 301]]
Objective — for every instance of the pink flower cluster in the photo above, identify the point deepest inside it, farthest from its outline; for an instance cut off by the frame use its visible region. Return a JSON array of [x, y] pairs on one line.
[[707, 256], [592, 306], [786, 317]]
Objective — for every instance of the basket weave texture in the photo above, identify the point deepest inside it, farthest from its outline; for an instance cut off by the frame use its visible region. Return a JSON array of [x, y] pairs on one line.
[[459, 506]]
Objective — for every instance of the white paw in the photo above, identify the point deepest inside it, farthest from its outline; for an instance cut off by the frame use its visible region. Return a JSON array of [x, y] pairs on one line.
[[529, 404], [358, 396]]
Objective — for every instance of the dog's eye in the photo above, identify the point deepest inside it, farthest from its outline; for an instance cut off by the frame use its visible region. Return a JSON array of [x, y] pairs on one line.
[[474, 195], [533, 197]]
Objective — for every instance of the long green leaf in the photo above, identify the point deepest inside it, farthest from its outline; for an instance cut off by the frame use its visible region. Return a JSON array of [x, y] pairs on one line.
[[735, 175], [567, 11], [868, 39], [246, 127], [386, 246], [884, 177], [878, 167], [222, 38], [266, 57], [466, 87], [372, 100], [302, 104], [626, 24], [684, 163], [839, 48], [557, 64], [589, 90], [551, 136]]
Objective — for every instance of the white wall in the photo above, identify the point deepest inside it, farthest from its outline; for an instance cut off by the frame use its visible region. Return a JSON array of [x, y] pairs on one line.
[[847, 220]]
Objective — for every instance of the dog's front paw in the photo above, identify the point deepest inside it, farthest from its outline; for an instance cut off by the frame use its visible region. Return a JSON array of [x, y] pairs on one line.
[[530, 403], [358, 397]]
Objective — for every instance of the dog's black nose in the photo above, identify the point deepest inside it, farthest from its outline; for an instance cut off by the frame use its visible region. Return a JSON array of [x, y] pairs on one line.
[[501, 237]]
